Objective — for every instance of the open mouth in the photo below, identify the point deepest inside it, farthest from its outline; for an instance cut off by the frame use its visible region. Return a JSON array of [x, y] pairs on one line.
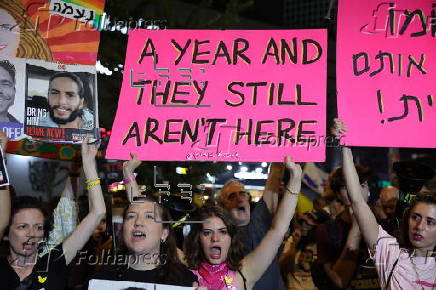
[[215, 252], [138, 236], [241, 209], [29, 245]]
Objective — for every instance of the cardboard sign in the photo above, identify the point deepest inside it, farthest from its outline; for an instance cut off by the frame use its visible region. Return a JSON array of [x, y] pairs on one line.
[[386, 72], [222, 96], [61, 102], [56, 30], [122, 285]]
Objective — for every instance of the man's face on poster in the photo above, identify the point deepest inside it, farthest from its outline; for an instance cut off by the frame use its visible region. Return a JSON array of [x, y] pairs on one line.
[[65, 102], [7, 90]]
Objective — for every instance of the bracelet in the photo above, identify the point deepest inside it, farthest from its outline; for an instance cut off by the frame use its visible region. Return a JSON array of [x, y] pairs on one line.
[[128, 180], [92, 184], [92, 180], [292, 193]]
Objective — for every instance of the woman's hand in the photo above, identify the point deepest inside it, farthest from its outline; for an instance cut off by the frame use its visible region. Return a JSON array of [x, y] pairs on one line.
[[131, 165], [89, 151], [295, 172], [338, 128]]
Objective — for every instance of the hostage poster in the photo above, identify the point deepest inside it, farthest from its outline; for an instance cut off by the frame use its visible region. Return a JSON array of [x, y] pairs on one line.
[[60, 101]]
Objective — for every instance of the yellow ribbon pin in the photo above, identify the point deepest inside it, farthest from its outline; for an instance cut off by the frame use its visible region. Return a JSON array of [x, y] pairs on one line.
[[41, 279], [228, 280]]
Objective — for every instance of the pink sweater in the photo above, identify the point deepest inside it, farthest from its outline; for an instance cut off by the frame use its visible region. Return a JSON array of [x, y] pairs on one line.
[[421, 274]]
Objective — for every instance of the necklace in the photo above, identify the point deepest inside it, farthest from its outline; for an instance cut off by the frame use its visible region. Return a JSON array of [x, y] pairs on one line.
[[414, 268]]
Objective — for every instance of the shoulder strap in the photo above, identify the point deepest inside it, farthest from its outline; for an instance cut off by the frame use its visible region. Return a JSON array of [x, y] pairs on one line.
[[390, 274], [243, 279]]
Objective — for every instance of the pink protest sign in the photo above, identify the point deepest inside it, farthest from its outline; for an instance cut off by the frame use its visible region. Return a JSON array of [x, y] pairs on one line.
[[222, 96], [386, 72]]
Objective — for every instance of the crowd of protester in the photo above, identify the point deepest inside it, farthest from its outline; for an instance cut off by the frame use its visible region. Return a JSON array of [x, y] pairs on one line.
[[342, 243]]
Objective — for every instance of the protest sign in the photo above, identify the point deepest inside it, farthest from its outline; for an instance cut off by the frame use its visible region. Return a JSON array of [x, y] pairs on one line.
[[56, 30], [61, 101], [222, 96], [25, 99], [386, 72], [95, 284]]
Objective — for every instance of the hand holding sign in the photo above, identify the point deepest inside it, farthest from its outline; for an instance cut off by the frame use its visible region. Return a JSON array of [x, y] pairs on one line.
[[130, 165], [338, 128], [295, 172]]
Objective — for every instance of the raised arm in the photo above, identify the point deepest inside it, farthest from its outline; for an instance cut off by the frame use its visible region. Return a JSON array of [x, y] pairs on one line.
[[97, 208], [129, 168], [5, 197], [255, 263], [365, 217], [272, 187]]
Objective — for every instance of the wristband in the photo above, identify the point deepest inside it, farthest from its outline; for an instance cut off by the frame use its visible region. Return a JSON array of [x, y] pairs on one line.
[[92, 184], [92, 180], [128, 180]]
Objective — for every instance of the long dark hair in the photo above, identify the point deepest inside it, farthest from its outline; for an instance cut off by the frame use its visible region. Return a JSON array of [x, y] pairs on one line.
[[170, 269], [336, 179], [193, 250], [20, 203], [429, 198]]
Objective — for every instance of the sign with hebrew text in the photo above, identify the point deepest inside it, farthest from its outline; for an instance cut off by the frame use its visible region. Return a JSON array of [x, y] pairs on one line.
[[222, 96], [386, 72]]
